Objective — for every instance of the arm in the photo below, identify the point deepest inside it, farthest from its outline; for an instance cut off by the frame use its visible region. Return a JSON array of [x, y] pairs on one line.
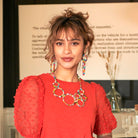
[[108, 135]]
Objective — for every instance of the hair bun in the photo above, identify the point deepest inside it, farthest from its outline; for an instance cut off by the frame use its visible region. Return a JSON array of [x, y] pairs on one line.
[[68, 12]]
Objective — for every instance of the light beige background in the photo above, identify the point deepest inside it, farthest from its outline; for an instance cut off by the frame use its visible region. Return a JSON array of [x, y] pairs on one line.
[[121, 17]]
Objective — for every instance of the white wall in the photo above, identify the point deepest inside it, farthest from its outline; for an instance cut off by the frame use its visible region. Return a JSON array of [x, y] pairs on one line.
[[1, 68]]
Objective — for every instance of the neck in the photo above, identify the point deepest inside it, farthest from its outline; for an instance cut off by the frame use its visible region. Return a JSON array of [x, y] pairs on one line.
[[66, 75]]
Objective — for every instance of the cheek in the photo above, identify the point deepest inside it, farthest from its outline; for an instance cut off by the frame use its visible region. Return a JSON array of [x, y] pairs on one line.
[[79, 54], [56, 52], [56, 56]]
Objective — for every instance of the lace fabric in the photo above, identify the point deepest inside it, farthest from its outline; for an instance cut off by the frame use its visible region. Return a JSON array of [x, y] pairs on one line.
[[105, 121], [28, 107]]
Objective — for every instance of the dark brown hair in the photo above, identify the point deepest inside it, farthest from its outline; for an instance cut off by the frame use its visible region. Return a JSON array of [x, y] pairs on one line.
[[69, 19]]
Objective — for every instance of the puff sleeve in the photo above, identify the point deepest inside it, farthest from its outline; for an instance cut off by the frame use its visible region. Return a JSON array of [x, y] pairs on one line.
[[105, 121], [28, 107]]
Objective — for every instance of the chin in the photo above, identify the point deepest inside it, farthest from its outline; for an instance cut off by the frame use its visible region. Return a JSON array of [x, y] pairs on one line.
[[70, 67]]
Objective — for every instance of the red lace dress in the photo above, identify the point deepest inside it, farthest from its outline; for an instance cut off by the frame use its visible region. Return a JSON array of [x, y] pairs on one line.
[[40, 114]]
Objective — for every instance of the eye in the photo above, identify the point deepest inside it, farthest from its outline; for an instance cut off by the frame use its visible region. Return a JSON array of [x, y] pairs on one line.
[[75, 43], [59, 43]]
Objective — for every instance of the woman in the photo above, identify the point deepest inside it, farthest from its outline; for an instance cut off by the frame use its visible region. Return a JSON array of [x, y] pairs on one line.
[[60, 104]]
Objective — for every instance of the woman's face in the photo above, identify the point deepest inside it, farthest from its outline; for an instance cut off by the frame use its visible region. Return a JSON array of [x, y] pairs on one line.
[[68, 49]]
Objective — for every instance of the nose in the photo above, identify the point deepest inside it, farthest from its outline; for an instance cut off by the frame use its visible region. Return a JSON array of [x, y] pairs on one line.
[[67, 48]]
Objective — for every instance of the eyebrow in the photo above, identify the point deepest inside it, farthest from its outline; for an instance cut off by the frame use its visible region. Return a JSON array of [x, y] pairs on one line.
[[68, 40]]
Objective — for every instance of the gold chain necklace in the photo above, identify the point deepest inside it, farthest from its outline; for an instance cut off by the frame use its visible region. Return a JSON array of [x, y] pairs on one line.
[[79, 97]]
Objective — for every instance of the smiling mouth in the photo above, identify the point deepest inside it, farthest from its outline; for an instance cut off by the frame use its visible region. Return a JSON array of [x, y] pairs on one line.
[[68, 59]]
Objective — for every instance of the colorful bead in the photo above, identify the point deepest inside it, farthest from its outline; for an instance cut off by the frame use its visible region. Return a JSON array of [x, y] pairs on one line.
[[84, 60], [52, 66], [78, 98]]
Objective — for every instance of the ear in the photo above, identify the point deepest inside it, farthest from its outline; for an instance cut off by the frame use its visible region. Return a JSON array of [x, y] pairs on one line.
[[86, 46]]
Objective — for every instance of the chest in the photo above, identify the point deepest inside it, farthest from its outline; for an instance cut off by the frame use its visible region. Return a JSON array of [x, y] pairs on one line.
[[57, 113]]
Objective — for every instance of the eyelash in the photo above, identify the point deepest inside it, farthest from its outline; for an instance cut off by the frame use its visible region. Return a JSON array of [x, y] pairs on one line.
[[73, 43], [59, 43]]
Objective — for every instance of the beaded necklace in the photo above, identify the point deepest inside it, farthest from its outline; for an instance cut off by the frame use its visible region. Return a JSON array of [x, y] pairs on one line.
[[79, 97]]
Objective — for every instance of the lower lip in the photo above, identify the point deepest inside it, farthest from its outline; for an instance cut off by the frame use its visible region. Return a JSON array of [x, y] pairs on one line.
[[67, 59]]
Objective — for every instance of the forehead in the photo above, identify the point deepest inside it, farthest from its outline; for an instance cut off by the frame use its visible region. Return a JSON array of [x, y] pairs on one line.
[[68, 34]]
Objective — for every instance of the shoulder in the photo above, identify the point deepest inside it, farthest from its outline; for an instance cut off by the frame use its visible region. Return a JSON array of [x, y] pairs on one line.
[[32, 81], [44, 76], [34, 78], [29, 80], [30, 86], [96, 88], [96, 85], [92, 84]]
